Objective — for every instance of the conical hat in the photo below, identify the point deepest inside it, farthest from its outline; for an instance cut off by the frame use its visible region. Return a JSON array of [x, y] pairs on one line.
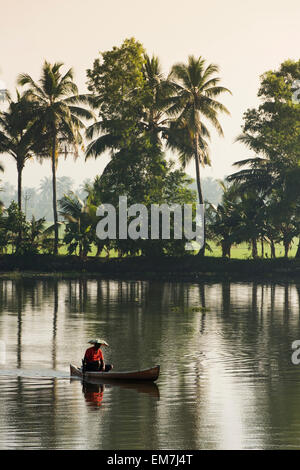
[[98, 341]]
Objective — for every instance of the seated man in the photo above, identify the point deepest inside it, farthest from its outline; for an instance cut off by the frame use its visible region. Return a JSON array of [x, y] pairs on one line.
[[93, 358]]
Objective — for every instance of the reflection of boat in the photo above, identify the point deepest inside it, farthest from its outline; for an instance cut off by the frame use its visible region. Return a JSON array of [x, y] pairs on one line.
[[142, 387], [90, 385], [93, 393], [139, 375], [149, 388]]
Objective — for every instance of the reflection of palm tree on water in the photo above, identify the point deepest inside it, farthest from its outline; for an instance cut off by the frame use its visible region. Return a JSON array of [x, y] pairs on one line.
[[55, 310], [203, 305], [19, 296]]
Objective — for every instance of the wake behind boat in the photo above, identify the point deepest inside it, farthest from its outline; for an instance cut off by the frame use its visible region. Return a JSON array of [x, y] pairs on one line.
[[139, 375]]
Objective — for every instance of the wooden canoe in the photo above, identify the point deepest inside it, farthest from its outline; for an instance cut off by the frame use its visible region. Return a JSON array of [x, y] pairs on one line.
[[139, 375]]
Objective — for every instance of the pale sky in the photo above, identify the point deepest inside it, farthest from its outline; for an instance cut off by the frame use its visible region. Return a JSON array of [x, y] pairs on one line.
[[245, 38]]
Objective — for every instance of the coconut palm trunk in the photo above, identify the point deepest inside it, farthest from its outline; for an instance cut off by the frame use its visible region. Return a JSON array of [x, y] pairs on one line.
[[262, 247], [200, 195], [53, 159], [254, 248], [20, 170], [298, 251], [273, 253]]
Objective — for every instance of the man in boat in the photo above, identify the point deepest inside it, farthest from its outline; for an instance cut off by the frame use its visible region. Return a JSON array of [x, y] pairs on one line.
[[93, 358]]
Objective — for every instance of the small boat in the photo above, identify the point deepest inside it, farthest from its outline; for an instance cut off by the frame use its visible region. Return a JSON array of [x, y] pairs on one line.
[[140, 375]]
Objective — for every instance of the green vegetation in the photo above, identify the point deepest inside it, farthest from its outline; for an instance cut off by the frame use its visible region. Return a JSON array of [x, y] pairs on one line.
[[14, 137], [193, 102], [56, 121], [136, 112], [261, 204]]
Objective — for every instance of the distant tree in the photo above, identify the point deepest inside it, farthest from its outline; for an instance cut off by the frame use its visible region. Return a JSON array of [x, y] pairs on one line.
[[64, 185], [8, 193], [83, 190], [211, 189]]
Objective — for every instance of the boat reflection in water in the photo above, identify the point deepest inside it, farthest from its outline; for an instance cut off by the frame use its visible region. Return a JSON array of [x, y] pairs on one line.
[[93, 393], [93, 390]]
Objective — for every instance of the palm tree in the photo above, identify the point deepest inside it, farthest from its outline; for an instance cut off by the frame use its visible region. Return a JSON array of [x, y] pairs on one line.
[[64, 186], [224, 219], [194, 102], [45, 189], [81, 222], [57, 122], [14, 135], [275, 181], [152, 119], [260, 171], [36, 228]]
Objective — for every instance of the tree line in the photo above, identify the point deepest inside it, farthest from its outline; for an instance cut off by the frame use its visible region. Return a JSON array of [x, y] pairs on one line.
[[137, 113]]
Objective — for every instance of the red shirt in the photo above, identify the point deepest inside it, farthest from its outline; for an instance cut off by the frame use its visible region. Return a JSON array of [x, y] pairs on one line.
[[93, 354]]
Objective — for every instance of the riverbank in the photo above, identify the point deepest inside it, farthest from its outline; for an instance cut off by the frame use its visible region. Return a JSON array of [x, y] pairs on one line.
[[188, 268]]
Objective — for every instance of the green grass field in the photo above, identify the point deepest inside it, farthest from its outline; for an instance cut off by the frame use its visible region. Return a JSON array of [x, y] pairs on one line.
[[243, 251]]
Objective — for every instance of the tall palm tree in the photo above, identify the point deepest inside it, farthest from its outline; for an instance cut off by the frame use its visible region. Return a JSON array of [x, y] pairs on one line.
[[260, 171], [57, 122], [154, 118], [106, 134], [193, 105], [14, 135]]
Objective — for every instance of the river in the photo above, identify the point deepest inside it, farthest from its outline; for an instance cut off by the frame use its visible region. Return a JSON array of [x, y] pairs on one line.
[[227, 379]]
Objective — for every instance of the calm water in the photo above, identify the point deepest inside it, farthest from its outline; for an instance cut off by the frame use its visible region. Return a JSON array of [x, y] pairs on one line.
[[227, 381]]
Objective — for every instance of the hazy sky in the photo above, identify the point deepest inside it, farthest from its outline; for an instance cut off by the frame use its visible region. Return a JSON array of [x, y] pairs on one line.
[[245, 38]]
